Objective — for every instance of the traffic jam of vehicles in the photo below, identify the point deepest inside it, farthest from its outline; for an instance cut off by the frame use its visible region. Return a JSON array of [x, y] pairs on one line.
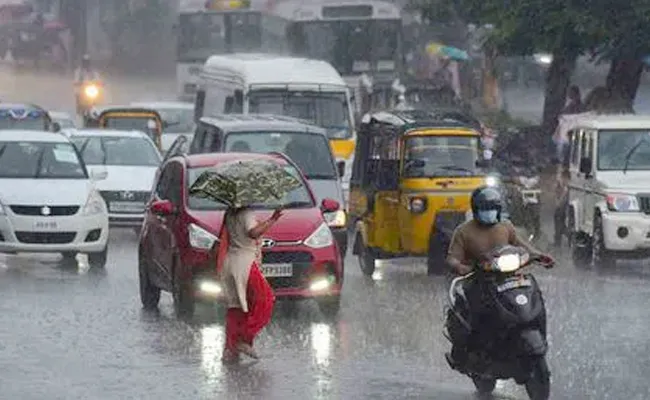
[[301, 126]]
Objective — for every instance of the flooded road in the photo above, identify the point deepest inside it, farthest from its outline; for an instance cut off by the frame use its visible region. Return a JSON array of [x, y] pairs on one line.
[[66, 335], [69, 334]]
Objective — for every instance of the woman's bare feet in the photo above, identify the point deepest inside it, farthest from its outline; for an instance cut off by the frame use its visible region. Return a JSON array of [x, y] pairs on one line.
[[248, 350], [229, 357]]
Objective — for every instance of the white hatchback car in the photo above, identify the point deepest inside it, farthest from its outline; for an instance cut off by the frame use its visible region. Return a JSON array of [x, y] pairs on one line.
[[48, 200], [130, 159]]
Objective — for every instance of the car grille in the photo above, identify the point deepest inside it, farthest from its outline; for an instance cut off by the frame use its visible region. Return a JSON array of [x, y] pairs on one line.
[[301, 261], [55, 211], [45, 237], [644, 203]]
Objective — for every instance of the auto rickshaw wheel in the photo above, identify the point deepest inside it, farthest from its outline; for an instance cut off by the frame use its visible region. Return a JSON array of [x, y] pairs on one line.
[[436, 259], [366, 257]]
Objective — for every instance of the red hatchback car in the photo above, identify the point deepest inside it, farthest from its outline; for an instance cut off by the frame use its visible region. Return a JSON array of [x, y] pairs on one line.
[[179, 233]]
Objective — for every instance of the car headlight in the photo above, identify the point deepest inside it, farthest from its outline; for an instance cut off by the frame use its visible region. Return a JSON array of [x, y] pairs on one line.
[[321, 237], [95, 204], [336, 219], [200, 238], [622, 202], [491, 181]]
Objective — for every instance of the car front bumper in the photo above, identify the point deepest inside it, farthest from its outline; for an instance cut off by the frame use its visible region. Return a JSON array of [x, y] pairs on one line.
[[76, 233], [125, 220], [626, 232]]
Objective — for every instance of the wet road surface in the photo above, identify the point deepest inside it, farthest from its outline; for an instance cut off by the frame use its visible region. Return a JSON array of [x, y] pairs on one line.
[[70, 334], [77, 334]]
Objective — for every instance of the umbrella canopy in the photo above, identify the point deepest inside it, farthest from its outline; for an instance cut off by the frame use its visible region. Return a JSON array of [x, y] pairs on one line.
[[447, 51], [245, 183]]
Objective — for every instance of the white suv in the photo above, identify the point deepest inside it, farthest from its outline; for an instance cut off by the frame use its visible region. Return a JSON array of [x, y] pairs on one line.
[[609, 195], [48, 202]]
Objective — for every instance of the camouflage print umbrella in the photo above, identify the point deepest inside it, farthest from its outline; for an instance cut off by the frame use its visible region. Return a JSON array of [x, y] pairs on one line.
[[243, 183]]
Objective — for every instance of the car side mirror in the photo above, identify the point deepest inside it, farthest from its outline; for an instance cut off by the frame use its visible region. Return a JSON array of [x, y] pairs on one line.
[[340, 166], [56, 127], [585, 165], [329, 205], [162, 208], [98, 174]]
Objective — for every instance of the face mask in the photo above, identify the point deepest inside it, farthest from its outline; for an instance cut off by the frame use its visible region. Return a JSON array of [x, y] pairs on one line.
[[488, 216]]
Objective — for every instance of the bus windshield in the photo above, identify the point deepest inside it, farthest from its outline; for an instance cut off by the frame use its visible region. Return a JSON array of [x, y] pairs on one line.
[[351, 46], [200, 35]]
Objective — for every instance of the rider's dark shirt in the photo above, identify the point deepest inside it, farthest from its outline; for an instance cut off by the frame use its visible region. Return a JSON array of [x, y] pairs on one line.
[[471, 241]]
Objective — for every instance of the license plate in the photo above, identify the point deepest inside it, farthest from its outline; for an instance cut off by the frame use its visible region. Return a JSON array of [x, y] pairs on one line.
[[277, 270], [45, 225], [126, 206], [514, 284], [530, 198]]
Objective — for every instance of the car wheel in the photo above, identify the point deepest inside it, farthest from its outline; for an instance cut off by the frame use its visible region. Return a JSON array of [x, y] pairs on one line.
[[600, 256], [366, 257], [149, 294], [580, 250], [329, 306], [98, 260], [183, 293]]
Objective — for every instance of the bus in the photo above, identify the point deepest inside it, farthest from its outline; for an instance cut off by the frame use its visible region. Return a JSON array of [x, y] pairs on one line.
[[206, 32], [356, 37]]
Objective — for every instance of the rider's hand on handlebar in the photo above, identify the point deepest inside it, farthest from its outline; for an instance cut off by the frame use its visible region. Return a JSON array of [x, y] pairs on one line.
[[546, 260]]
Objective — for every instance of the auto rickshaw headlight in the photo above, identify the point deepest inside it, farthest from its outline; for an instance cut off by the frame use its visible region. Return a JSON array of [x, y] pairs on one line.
[[417, 205], [491, 181]]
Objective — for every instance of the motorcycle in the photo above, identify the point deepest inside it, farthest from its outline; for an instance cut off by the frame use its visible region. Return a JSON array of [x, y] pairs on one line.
[[90, 94], [524, 199], [513, 344]]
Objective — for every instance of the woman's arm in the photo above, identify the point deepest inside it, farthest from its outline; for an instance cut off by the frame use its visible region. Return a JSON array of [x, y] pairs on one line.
[[259, 229]]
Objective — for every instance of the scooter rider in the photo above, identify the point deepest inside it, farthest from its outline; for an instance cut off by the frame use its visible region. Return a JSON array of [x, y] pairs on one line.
[[469, 243], [85, 72]]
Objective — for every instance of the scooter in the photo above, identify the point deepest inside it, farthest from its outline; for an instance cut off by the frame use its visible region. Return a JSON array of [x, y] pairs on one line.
[[513, 344], [89, 95]]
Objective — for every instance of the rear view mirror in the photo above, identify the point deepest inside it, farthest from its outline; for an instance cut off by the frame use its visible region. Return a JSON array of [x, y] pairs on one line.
[[162, 207], [340, 166], [585, 165], [329, 205]]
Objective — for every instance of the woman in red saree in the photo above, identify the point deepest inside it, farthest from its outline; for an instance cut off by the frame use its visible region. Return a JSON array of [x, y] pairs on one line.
[[248, 295]]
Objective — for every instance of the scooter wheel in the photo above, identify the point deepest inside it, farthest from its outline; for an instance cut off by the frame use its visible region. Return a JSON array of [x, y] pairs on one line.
[[484, 385]]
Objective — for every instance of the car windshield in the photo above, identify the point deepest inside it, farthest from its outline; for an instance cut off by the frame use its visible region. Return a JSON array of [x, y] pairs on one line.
[[179, 120], [310, 152], [29, 124], [116, 150], [328, 110], [615, 146], [42, 160], [430, 156], [297, 198]]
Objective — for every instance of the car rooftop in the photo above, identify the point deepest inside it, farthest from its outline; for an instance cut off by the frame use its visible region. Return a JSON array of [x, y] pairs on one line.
[[59, 114], [19, 135], [164, 104], [11, 106], [210, 159], [106, 132], [261, 122], [619, 121]]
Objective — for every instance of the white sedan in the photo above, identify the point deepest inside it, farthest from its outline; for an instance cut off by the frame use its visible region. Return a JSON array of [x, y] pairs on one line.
[[130, 160], [65, 120], [48, 199], [178, 117]]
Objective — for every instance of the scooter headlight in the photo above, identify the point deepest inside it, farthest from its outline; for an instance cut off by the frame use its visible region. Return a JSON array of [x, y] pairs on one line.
[[91, 91]]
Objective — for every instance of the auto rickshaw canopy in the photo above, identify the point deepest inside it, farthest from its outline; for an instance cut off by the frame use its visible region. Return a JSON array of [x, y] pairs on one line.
[[129, 118]]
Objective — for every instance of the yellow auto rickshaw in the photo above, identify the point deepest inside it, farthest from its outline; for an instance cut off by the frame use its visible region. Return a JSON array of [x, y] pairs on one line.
[[129, 118], [411, 183]]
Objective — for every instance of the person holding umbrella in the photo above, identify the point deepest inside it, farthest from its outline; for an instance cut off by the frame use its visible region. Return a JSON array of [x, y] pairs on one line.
[[248, 296]]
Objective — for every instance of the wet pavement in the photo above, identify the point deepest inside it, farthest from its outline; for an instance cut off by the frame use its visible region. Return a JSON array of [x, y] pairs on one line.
[[78, 334]]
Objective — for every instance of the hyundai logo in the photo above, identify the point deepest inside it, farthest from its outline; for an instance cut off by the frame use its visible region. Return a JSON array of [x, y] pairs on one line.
[[128, 196], [46, 210], [268, 243]]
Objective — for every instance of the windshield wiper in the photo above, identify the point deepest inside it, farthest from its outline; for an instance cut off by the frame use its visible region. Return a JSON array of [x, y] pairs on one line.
[[455, 168], [630, 153], [297, 204], [320, 176], [39, 164], [2, 149]]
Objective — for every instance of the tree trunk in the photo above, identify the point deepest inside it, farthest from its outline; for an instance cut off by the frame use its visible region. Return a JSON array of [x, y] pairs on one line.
[[624, 78], [558, 79]]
